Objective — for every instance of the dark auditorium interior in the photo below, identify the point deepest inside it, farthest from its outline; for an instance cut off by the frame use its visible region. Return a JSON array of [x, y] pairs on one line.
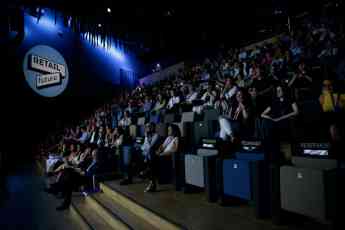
[[172, 115]]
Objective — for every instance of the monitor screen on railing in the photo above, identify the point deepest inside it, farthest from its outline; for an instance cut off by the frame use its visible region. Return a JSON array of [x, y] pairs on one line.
[[315, 152]]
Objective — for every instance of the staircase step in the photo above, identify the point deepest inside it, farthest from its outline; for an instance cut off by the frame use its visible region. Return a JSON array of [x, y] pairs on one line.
[[108, 216], [123, 213], [143, 213], [86, 216]]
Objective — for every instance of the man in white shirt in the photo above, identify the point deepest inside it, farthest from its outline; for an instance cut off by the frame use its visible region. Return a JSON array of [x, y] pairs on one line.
[[126, 120], [231, 89], [243, 55], [151, 140], [93, 134], [84, 136], [192, 95], [174, 100]]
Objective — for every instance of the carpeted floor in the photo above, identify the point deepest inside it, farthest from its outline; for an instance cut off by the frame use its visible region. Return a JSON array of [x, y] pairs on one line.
[[24, 205]]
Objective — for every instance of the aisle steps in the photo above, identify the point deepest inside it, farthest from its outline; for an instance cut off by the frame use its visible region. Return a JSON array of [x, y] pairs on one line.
[[110, 209]]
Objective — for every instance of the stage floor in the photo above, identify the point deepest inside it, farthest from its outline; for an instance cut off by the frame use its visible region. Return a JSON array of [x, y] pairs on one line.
[[194, 212]]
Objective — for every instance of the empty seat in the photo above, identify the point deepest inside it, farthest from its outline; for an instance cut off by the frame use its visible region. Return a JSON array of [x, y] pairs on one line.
[[141, 121], [155, 118], [211, 115], [169, 118], [309, 187], [188, 117]]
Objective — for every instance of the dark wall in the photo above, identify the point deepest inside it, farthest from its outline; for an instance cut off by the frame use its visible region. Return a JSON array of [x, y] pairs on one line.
[[94, 77]]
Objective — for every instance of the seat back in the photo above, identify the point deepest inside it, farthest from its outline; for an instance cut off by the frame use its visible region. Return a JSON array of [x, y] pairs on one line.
[[169, 118], [203, 129], [203, 152], [133, 131], [237, 178], [155, 118], [141, 130], [188, 117], [182, 128], [194, 170], [303, 191], [314, 163], [255, 156], [162, 129], [211, 115], [141, 121]]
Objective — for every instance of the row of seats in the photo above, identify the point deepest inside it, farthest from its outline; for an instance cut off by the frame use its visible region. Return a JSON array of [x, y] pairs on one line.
[[307, 187], [192, 127]]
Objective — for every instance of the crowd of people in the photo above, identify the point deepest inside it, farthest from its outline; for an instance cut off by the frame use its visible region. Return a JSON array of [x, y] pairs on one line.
[[257, 92]]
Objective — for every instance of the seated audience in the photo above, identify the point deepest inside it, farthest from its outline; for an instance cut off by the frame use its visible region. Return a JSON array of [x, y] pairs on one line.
[[234, 121], [174, 100], [108, 136], [301, 81], [84, 136], [93, 134], [329, 100], [209, 97], [126, 121], [160, 103], [191, 95], [70, 178], [170, 146], [149, 146]]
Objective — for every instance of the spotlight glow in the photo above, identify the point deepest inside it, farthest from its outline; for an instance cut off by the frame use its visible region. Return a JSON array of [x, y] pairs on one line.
[[100, 25], [112, 50], [108, 10]]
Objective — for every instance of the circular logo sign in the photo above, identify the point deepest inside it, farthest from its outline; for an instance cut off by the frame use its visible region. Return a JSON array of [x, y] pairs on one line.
[[45, 71]]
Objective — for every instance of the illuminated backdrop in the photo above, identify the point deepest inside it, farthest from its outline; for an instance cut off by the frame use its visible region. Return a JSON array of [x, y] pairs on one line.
[[91, 64]]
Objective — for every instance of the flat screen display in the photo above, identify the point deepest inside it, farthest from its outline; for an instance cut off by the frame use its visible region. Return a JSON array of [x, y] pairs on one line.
[[315, 152]]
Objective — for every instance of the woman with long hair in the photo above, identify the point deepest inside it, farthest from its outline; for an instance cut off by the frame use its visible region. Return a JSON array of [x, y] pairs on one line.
[[277, 123]]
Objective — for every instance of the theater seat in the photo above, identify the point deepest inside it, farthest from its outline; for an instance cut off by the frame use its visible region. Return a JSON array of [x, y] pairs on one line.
[[155, 118], [162, 129], [309, 187], [133, 131], [200, 171], [211, 115], [188, 117], [238, 175], [203, 129], [182, 128], [141, 121], [141, 130], [169, 118]]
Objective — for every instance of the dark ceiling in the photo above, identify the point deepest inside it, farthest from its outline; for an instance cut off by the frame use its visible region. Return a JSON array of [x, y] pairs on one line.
[[174, 29]]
